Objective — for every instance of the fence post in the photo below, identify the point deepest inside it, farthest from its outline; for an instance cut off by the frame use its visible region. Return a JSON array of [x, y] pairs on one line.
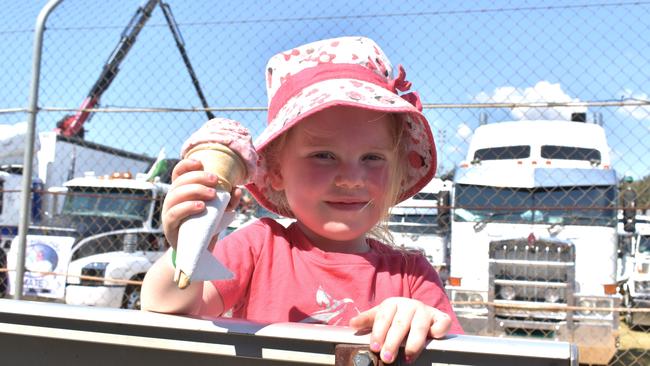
[[28, 159]]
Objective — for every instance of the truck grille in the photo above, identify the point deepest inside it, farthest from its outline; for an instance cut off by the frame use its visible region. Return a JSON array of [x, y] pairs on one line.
[[532, 270]]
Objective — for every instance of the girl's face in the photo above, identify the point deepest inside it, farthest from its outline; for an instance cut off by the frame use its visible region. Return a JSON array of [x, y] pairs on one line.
[[334, 170]]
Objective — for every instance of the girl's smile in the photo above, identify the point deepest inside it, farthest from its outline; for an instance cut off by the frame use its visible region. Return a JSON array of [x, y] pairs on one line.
[[348, 205]]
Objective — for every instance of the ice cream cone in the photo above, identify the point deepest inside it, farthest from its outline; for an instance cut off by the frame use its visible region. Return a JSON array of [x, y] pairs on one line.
[[230, 170], [183, 280], [220, 160]]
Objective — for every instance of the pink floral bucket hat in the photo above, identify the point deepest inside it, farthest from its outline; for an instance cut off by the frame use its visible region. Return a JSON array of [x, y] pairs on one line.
[[346, 71]]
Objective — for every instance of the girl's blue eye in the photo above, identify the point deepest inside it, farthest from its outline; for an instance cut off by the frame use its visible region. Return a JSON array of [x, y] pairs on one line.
[[373, 157], [323, 155]]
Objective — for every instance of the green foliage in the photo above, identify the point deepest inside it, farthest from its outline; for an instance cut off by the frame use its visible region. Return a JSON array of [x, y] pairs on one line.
[[642, 188]]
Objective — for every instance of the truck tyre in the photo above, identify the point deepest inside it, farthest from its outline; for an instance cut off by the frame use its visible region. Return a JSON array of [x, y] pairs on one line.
[[131, 297]]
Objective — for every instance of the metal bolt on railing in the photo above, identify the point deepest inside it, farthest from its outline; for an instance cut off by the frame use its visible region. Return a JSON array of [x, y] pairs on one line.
[[364, 358]]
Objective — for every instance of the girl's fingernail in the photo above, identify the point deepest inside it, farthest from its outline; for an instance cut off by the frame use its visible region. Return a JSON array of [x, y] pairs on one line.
[[387, 356], [408, 359], [375, 347]]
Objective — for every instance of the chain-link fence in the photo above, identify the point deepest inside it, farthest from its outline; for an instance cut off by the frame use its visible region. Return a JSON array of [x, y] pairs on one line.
[[124, 84]]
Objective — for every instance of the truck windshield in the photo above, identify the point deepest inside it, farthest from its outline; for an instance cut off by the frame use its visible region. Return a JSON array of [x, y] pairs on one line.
[[589, 205], [644, 244], [129, 204]]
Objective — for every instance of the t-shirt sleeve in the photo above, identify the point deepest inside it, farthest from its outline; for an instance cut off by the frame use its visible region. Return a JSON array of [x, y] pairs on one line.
[[427, 287], [238, 252]]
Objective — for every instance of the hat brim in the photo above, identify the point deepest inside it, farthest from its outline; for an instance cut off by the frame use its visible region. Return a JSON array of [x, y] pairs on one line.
[[421, 161]]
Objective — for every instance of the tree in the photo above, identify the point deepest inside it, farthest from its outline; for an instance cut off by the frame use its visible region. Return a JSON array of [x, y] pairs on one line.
[[642, 189]]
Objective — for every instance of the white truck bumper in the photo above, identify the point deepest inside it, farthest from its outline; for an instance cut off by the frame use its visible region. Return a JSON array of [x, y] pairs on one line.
[[597, 342], [103, 296], [640, 318]]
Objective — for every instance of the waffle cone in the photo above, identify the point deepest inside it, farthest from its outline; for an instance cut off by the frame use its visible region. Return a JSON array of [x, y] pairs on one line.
[[183, 280], [221, 161]]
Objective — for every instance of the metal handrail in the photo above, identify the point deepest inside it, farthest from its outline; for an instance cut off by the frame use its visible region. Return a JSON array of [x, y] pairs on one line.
[[79, 335]]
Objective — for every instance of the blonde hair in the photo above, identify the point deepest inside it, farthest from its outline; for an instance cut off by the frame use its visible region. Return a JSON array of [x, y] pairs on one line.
[[397, 173], [272, 153]]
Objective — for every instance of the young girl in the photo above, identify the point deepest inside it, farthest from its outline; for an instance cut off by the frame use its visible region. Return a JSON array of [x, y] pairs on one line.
[[340, 149]]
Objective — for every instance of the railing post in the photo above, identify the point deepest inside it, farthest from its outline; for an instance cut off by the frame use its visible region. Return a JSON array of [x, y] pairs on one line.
[[28, 159]]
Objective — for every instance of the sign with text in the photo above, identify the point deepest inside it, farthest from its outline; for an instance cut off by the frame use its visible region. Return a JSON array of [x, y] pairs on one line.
[[46, 265]]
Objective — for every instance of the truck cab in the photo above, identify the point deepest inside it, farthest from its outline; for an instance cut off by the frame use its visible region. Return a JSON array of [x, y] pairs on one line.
[[415, 224], [105, 236], [106, 268], [11, 177], [534, 235]]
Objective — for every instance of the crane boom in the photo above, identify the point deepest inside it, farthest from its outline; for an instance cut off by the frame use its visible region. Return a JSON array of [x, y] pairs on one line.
[[180, 44], [73, 125]]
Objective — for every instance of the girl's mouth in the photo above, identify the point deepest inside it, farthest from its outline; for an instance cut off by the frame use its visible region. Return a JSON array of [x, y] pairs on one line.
[[349, 206]]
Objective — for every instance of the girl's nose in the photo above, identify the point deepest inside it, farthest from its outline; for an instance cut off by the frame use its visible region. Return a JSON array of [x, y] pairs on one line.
[[350, 176]]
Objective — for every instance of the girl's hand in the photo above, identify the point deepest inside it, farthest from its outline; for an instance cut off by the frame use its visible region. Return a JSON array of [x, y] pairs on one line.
[[191, 187], [399, 319]]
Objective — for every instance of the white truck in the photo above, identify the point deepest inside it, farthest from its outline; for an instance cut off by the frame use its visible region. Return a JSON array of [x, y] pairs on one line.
[[636, 281], [57, 160], [101, 243], [10, 183], [415, 224], [63, 154], [534, 235]]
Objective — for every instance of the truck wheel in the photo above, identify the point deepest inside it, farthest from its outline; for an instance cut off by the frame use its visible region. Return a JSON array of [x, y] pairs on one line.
[[131, 298]]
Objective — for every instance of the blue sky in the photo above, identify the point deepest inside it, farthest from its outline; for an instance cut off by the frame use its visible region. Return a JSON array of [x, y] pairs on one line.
[[454, 53]]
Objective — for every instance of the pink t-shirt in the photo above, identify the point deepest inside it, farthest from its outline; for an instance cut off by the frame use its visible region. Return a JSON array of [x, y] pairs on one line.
[[280, 276]]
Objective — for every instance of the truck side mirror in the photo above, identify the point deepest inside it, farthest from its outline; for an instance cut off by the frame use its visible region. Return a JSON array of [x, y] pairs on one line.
[[444, 211]]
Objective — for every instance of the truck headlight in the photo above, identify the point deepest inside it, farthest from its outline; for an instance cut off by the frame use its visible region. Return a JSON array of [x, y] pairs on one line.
[[94, 269], [586, 303], [477, 298], [597, 307], [460, 297], [604, 304]]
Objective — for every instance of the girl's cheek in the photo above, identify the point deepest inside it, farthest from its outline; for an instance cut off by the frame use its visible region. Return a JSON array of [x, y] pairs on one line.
[[380, 176], [318, 171]]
